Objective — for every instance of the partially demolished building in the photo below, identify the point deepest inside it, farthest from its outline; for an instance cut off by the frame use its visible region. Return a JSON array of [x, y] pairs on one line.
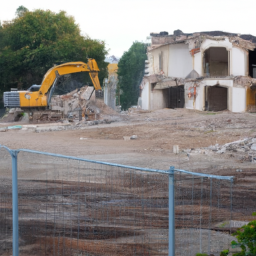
[[211, 71]]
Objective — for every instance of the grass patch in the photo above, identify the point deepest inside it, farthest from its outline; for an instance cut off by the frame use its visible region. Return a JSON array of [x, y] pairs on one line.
[[209, 131]]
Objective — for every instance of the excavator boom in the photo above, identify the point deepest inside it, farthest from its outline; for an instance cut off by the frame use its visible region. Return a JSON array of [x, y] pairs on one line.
[[42, 97]]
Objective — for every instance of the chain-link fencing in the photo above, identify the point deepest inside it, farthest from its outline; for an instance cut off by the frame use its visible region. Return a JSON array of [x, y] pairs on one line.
[[73, 206]]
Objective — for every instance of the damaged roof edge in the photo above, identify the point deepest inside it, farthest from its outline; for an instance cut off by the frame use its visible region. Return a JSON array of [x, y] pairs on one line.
[[236, 41], [210, 33]]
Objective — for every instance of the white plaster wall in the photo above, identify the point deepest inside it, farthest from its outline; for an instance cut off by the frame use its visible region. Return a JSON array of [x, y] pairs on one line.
[[145, 96], [238, 99], [238, 67], [180, 61], [198, 63]]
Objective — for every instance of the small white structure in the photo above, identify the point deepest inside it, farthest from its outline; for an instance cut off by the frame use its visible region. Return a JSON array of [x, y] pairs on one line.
[[205, 71]]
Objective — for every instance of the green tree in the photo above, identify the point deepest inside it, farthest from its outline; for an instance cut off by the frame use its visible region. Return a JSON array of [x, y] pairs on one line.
[[246, 239], [21, 10], [35, 41], [130, 73]]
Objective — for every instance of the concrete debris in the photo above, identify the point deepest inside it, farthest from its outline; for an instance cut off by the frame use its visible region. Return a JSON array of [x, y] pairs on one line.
[[133, 137], [15, 127], [176, 149], [243, 150], [253, 147], [73, 101], [3, 129]]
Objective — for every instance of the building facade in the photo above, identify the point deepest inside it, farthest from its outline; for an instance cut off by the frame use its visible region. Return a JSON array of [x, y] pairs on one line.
[[211, 71]]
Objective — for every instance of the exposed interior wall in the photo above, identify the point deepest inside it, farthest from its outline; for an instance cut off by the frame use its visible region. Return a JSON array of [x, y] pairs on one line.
[[252, 64], [251, 99], [159, 99], [215, 61], [180, 61], [239, 62], [216, 98]]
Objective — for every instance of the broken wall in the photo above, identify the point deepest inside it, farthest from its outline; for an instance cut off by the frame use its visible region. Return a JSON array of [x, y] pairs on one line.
[[236, 99]]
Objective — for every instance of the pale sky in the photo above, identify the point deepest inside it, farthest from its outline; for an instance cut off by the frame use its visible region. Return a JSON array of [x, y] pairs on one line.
[[121, 22]]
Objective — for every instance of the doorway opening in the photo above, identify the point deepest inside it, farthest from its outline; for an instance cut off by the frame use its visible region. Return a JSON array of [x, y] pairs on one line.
[[252, 64], [176, 98], [216, 62], [216, 98], [251, 99]]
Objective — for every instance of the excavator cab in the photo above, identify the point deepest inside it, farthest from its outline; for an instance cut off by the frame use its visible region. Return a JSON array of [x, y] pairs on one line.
[[34, 88]]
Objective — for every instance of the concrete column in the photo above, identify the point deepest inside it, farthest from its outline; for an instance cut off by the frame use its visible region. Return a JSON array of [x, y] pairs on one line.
[[230, 62], [247, 64]]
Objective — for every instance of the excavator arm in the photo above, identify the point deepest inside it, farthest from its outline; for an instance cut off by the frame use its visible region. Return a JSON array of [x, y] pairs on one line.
[[42, 97], [69, 68]]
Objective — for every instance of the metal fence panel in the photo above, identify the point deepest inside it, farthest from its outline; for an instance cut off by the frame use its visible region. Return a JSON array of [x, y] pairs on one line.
[[71, 206], [202, 206], [5, 203]]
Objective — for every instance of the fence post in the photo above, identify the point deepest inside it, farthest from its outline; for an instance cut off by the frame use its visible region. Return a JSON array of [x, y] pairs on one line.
[[15, 217], [171, 213]]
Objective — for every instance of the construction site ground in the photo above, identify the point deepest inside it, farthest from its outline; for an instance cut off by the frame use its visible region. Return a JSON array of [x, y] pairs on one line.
[[156, 131], [156, 134]]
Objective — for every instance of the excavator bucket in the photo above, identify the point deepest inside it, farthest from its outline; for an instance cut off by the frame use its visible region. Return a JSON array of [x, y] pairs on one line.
[[95, 80]]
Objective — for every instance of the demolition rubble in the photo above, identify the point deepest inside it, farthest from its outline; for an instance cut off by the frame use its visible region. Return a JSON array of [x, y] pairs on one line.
[[243, 150], [78, 106]]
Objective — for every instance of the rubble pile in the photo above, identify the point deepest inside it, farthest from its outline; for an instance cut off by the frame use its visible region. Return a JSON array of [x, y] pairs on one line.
[[81, 103], [243, 150], [78, 105]]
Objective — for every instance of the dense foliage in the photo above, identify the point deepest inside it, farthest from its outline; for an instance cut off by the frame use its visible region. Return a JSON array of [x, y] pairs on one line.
[[246, 240], [130, 73], [34, 41]]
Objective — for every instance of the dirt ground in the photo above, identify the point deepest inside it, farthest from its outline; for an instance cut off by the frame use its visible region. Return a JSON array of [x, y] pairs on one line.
[[157, 132]]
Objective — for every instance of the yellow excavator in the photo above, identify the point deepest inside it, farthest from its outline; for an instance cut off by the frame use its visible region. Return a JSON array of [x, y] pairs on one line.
[[40, 96]]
